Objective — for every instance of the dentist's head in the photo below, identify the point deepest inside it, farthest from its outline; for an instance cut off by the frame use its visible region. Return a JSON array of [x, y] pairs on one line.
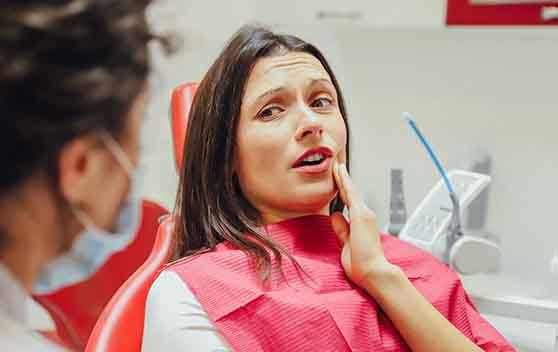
[[72, 93]]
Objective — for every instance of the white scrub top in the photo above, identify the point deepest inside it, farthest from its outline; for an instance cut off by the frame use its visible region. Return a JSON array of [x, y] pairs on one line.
[[17, 325]]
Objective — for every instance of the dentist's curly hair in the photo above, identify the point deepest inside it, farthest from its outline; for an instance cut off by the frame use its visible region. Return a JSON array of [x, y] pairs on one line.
[[67, 68]]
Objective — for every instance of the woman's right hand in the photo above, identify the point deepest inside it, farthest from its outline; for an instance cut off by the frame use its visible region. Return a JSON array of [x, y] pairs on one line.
[[422, 326], [362, 255]]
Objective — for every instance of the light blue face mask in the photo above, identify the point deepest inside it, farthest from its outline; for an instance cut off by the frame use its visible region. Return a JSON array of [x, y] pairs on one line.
[[94, 246]]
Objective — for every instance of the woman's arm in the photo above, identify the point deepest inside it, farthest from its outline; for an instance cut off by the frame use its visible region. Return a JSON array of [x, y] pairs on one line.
[[176, 321], [422, 327]]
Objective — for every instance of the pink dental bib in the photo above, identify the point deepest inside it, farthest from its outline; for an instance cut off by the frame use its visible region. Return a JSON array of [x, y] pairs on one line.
[[319, 309]]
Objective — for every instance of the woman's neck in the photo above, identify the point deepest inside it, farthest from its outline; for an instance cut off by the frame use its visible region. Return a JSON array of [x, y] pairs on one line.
[[272, 217]]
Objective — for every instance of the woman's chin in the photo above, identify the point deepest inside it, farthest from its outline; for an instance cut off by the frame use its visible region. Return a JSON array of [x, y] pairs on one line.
[[313, 201]]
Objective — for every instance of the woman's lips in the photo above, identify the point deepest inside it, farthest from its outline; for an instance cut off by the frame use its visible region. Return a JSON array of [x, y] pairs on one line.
[[315, 169], [325, 152]]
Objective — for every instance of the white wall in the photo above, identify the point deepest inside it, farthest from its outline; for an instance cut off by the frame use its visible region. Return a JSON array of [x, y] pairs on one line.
[[491, 91], [471, 91]]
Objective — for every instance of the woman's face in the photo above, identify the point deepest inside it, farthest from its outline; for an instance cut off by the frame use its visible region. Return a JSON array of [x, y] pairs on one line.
[[289, 132]]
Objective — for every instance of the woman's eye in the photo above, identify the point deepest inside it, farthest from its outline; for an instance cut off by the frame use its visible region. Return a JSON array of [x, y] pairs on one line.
[[321, 103], [270, 113]]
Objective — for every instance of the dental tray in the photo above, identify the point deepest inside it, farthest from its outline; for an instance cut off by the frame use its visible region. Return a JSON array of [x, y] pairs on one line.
[[432, 217]]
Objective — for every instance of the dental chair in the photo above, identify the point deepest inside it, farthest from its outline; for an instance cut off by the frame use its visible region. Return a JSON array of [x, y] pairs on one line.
[[120, 326], [181, 102]]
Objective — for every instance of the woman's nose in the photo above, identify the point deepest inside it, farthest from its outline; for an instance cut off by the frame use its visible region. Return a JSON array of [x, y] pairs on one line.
[[310, 125]]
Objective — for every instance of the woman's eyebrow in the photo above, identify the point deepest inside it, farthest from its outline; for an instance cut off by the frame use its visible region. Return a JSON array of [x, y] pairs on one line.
[[266, 94], [272, 91]]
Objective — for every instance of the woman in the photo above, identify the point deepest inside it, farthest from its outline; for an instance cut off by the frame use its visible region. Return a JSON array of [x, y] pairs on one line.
[[72, 93], [260, 232]]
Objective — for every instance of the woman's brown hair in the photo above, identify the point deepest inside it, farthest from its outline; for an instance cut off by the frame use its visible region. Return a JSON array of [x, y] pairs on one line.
[[210, 207]]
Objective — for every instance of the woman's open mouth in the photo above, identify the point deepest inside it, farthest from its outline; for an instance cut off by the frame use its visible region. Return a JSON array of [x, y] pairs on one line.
[[314, 161]]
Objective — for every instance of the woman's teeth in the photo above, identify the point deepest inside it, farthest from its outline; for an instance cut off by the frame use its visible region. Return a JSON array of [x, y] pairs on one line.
[[314, 157]]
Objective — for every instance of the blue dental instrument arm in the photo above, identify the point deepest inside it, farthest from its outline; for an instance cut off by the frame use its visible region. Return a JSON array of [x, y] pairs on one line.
[[454, 228]]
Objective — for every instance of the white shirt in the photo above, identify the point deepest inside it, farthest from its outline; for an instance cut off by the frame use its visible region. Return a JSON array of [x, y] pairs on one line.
[[176, 321], [18, 318]]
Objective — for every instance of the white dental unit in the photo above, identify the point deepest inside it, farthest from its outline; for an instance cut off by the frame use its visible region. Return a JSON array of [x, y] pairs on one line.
[[435, 226]]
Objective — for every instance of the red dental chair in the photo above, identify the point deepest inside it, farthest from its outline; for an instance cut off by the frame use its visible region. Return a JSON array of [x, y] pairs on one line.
[[181, 102], [120, 326]]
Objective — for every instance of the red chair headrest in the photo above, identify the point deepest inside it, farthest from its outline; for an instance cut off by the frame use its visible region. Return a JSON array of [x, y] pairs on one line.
[[181, 102]]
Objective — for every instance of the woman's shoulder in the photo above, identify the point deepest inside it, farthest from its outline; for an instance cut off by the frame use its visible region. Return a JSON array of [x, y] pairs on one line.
[[169, 300], [169, 287], [167, 280], [175, 319]]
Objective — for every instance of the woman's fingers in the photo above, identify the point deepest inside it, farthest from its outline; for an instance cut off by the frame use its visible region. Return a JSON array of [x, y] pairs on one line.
[[360, 215], [352, 198], [363, 226], [337, 180], [340, 227], [343, 183], [362, 251]]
